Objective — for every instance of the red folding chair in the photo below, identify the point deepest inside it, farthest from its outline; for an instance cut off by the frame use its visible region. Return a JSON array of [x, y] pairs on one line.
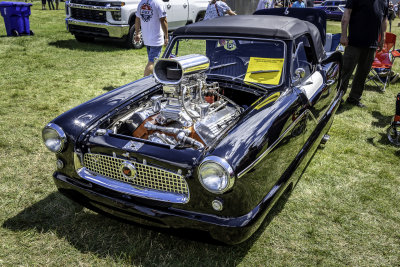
[[381, 70]]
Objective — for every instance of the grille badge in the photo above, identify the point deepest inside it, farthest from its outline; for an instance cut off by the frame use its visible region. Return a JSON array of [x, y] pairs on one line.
[[128, 170]]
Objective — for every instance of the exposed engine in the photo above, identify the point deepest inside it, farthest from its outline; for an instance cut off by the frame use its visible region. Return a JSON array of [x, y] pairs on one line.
[[189, 113]]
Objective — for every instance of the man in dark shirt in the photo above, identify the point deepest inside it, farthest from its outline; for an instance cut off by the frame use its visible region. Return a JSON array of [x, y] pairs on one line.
[[365, 23]]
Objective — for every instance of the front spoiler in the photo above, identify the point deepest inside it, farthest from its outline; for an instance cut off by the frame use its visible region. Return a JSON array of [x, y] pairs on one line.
[[226, 229], [114, 31]]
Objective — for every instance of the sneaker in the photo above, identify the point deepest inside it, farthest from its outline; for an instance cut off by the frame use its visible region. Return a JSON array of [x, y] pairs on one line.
[[354, 102], [395, 78]]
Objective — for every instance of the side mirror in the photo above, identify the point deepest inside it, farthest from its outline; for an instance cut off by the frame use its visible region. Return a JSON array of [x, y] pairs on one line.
[[300, 73]]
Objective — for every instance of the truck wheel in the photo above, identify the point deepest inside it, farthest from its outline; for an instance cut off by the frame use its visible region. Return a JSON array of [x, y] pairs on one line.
[[131, 39], [200, 17], [83, 38]]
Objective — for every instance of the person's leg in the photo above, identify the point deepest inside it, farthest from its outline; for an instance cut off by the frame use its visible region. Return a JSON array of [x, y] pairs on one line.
[[364, 64], [57, 2], [350, 58], [153, 52]]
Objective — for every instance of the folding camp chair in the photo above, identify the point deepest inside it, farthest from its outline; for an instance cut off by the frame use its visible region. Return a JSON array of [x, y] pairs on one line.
[[381, 69]]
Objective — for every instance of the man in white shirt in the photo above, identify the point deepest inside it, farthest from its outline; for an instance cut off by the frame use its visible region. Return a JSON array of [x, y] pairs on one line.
[[151, 18], [264, 4]]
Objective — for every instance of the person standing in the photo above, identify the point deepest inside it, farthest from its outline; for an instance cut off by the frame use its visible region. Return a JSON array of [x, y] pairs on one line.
[[52, 5], [309, 3], [298, 4], [217, 9], [214, 10], [363, 32], [264, 4], [151, 18]]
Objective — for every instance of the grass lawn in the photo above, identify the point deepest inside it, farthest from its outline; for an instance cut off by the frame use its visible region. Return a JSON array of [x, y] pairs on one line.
[[344, 211]]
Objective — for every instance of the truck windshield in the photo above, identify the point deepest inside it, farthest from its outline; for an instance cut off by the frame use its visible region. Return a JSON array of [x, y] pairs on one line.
[[252, 61]]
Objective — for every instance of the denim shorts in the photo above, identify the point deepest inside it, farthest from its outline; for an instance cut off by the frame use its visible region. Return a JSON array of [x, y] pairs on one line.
[[153, 52]]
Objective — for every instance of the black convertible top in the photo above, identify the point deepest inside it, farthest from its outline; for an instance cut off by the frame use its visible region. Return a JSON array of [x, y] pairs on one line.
[[268, 26]]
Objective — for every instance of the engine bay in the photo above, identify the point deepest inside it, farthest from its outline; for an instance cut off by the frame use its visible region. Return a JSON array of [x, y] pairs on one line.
[[187, 112]]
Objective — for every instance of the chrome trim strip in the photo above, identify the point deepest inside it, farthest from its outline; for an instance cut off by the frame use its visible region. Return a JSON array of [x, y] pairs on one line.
[[130, 189], [269, 149], [97, 8], [114, 30]]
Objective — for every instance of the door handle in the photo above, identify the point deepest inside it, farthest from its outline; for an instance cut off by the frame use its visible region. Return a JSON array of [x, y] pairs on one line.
[[330, 82], [185, 5], [169, 6]]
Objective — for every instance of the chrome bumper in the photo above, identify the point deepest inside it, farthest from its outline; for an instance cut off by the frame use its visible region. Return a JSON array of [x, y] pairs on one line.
[[116, 31], [125, 188]]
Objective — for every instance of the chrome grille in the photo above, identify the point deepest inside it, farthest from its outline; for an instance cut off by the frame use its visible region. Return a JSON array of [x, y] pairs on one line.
[[90, 15], [146, 176]]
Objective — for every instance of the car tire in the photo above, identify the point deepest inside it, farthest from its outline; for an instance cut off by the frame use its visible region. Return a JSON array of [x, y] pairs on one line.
[[131, 39], [83, 38]]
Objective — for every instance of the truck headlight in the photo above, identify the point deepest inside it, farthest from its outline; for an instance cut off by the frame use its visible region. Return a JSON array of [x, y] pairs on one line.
[[216, 175], [54, 138], [117, 4], [116, 15]]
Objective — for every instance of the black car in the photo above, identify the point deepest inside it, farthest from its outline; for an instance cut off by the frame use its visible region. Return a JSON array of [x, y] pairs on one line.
[[235, 110]]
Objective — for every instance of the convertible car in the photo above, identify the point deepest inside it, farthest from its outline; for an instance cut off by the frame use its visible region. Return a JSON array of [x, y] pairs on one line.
[[234, 111]]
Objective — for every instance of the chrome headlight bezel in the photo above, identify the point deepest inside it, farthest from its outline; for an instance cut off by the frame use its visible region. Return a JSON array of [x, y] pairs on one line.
[[59, 138], [224, 166]]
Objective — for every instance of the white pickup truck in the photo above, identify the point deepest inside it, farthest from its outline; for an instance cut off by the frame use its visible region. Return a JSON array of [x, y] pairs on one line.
[[87, 19]]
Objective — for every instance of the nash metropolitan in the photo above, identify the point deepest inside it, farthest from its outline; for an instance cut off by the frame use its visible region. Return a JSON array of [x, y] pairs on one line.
[[234, 111]]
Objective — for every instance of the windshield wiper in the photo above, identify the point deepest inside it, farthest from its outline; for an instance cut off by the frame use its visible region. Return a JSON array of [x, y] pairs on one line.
[[262, 71], [257, 72], [223, 65]]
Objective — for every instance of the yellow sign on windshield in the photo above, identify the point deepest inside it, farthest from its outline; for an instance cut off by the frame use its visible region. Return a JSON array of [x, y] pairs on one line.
[[264, 70]]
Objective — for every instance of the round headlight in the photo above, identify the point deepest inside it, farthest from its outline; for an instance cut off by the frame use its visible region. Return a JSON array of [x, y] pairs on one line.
[[54, 137], [216, 175]]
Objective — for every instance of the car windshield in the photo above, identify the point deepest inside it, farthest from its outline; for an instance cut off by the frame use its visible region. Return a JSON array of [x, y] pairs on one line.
[[251, 61]]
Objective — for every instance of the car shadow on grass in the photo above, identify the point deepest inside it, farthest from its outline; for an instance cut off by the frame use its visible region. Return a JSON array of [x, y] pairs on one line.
[[100, 45], [134, 244]]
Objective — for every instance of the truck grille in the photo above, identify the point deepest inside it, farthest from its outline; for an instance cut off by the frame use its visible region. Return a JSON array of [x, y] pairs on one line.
[[89, 3], [146, 176], [89, 15]]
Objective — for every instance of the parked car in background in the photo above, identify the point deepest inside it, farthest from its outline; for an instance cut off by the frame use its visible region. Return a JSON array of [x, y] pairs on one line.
[[87, 19], [333, 3], [235, 110], [334, 9]]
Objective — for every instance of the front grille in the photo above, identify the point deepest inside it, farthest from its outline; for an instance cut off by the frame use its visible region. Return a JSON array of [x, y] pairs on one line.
[[146, 176], [89, 15], [88, 3]]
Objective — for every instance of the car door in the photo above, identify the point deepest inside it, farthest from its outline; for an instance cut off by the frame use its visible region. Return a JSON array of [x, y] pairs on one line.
[[177, 13], [317, 86]]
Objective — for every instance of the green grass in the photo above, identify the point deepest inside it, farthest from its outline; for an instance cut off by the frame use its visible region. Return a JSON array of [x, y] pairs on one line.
[[344, 211]]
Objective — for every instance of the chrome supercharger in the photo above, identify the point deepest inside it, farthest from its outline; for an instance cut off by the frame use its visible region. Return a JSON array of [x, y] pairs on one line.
[[189, 112]]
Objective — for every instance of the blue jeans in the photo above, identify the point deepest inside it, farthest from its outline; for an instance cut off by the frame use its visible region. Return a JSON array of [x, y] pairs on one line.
[[153, 52]]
